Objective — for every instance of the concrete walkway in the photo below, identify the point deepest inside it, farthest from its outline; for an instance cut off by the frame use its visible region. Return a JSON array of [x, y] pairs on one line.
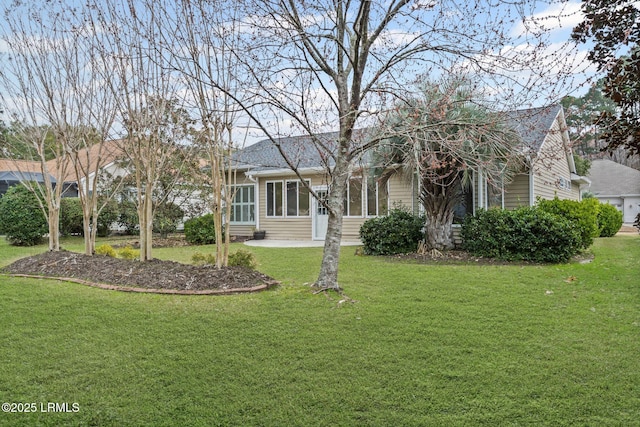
[[271, 243]]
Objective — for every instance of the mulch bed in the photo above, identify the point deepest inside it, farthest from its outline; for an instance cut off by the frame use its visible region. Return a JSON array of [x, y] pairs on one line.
[[152, 276]]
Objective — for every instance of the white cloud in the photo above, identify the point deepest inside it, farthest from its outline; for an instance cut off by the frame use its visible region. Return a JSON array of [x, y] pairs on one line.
[[558, 17]]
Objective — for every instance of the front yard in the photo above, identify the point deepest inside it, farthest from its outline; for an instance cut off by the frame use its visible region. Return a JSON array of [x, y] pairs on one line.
[[421, 345]]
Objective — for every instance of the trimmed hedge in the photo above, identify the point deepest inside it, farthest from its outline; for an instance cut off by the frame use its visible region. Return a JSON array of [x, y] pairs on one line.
[[396, 233], [527, 233], [200, 230], [21, 218], [583, 215], [609, 220]]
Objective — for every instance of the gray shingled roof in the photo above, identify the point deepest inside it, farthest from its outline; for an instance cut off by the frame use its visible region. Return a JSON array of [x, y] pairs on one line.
[[532, 124], [609, 178]]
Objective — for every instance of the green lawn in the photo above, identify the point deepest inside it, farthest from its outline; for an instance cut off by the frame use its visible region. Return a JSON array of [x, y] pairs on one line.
[[422, 346]]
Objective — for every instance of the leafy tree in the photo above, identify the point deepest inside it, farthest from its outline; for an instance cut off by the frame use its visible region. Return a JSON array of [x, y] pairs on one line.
[[442, 137], [614, 28], [582, 115]]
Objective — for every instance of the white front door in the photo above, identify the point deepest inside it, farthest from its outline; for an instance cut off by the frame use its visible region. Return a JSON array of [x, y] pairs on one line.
[[320, 218]]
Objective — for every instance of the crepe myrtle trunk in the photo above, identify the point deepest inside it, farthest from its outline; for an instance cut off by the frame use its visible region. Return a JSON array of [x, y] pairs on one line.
[[328, 277]]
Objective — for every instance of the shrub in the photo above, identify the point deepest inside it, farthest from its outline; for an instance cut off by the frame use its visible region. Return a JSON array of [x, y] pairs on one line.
[[398, 232], [203, 259], [106, 250], [128, 217], [128, 253], [167, 218], [200, 230], [21, 218], [609, 220], [636, 224], [583, 215], [527, 233], [243, 258], [70, 216], [108, 215]]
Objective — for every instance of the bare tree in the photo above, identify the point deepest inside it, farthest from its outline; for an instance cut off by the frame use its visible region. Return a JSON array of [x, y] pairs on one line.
[[318, 66], [147, 93], [207, 36], [35, 89]]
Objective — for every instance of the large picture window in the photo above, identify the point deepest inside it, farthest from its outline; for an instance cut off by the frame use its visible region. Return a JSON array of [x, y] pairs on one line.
[[274, 198], [297, 199], [243, 205]]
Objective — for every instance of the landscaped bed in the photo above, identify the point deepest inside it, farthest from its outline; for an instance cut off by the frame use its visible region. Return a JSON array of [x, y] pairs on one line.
[[156, 275]]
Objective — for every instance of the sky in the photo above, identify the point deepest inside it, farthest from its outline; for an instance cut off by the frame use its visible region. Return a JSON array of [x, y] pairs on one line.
[[557, 20]]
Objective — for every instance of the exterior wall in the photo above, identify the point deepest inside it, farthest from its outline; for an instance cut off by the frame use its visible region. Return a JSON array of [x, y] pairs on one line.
[[516, 193], [551, 168], [300, 228]]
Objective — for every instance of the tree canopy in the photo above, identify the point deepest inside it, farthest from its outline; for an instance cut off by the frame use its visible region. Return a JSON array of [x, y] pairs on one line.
[[614, 28]]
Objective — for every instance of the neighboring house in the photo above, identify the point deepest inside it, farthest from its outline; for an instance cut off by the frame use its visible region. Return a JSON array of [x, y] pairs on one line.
[[617, 185], [12, 172], [269, 195]]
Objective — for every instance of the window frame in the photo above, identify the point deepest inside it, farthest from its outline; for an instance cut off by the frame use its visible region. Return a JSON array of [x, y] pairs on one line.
[[274, 199], [250, 204], [299, 185], [377, 199]]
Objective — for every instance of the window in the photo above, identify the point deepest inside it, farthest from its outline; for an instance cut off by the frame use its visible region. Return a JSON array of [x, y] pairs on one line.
[[377, 198], [494, 195], [353, 201], [564, 184], [274, 198], [464, 206], [243, 205], [297, 199]]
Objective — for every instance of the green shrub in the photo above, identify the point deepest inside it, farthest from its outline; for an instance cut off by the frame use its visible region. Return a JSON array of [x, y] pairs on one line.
[[167, 218], [106, 250], [243, 258], [128, 253], [583, 215], [21, 218], [128, 217], [70, 216], [396, 233], [200, 230], [203, 259], [527, 233], [108, 215], [609, 220]]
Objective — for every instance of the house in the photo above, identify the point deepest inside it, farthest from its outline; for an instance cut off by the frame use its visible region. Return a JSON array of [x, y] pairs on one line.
[[269, 195], [12, 172], [617, 185]]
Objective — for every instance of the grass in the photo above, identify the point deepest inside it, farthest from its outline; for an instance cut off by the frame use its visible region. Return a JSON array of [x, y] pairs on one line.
[[423, 345]]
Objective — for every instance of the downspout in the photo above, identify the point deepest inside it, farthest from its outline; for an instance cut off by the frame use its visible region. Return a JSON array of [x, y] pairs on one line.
[[256, 198], [531, 182]]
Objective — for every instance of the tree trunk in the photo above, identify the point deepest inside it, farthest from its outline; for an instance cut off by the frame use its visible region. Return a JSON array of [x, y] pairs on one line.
[[328, 277], [54, 228], [438, 224]]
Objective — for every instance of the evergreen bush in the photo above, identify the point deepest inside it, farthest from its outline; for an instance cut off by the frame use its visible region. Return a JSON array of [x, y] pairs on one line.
[[21, 218], [396, 233], [527, 233], [200, 230], [70, 216], [609, 220], [583, 215]]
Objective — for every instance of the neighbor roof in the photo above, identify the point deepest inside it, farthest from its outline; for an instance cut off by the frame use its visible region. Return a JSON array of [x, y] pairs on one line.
[[532, 124], [609, 178]]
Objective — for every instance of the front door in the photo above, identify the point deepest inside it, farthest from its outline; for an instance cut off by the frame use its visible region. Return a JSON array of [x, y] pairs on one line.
[[320, 214]]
